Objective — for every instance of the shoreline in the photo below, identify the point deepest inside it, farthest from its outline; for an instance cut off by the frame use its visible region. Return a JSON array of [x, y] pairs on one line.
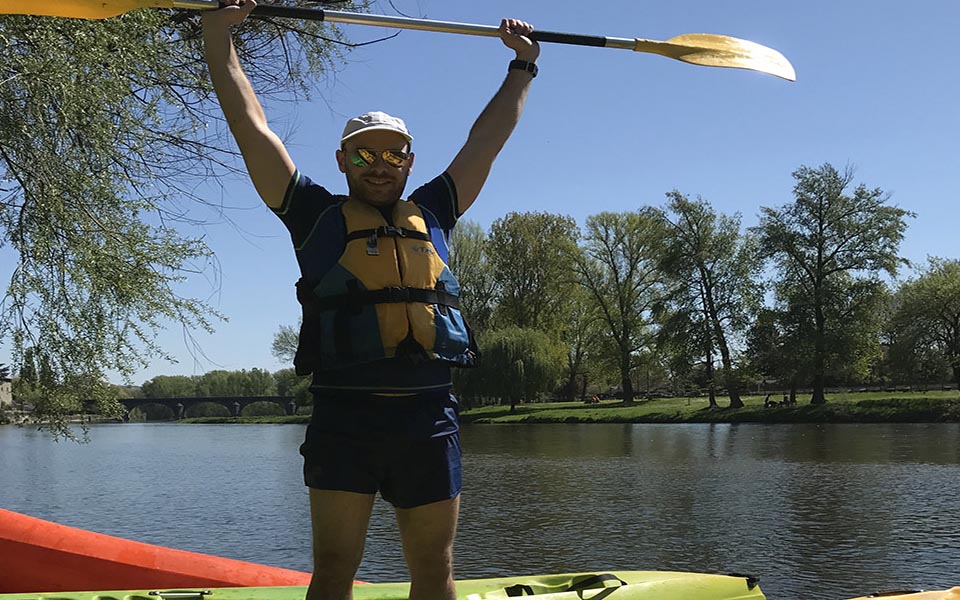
[[854, 407], [912, 407]]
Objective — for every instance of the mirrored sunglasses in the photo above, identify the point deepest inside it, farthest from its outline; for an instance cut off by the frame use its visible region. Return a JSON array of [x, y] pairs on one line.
[[364, 157]]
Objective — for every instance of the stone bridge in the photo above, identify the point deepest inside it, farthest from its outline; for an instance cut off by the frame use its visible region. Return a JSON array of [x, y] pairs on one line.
[[235, 405]]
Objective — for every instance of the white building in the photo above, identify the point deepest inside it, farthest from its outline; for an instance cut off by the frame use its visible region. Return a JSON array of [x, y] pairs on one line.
[[6, 393]]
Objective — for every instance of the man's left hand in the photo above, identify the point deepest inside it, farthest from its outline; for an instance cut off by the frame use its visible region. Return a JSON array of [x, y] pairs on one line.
[[514, 34]]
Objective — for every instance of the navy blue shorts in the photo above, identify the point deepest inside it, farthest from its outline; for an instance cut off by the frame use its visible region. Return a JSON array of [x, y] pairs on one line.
[[407, 473]]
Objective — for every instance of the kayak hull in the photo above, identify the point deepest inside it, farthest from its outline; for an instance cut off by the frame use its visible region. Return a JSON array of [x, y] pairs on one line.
[[41, 556], [623, 585]]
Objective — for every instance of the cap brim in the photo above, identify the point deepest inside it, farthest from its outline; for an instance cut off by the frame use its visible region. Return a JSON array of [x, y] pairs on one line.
[[408, 137]]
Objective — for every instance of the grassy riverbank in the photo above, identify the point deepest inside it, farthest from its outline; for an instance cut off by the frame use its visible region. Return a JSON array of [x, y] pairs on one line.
[[854, 407], [870, 407]]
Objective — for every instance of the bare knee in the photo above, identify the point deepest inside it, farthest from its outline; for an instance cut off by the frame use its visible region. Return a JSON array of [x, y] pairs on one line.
[[333, 574], [431, 577], [430, 567]]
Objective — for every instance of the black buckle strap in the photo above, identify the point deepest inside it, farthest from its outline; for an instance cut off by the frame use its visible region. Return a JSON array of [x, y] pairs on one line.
[[389, 295], [589, 582], [388, 231]]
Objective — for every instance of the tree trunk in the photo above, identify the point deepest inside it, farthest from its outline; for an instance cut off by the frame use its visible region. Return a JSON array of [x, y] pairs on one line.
[[625, 382], [711, 385], [570, 389], [733, 385], [819, 358]]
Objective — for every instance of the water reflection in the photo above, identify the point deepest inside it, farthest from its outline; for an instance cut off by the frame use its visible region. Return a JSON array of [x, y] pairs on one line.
[[818, 511]]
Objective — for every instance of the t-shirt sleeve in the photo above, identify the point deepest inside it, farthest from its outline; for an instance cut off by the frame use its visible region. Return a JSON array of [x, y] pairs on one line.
[[302, 205], [439, 196]]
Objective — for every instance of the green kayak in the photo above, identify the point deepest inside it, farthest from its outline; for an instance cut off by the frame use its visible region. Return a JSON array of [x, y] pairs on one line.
[[620, 585]]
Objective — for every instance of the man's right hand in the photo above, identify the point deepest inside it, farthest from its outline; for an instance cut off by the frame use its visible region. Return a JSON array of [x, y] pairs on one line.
[[232, 13]]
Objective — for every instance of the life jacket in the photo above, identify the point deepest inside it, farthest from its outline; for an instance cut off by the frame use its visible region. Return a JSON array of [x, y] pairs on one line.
[[390, 295]]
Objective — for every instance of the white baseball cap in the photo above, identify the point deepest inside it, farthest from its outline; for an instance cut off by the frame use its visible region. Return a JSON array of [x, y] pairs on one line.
[[372, 121]]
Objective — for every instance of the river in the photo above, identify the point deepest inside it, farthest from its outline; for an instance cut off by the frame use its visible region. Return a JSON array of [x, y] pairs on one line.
[[817, 511]]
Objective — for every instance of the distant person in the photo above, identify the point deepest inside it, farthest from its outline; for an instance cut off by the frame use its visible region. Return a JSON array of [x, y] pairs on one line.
[[381, 319]]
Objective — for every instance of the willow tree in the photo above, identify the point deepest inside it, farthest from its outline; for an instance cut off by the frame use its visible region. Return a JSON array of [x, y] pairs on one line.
[[828, 244], [106, 130]]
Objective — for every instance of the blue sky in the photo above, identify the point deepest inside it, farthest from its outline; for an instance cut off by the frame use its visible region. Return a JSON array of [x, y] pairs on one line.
[[613, 130]]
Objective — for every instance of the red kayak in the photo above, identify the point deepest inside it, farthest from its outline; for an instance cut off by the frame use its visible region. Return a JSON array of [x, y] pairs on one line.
[[40, 556]]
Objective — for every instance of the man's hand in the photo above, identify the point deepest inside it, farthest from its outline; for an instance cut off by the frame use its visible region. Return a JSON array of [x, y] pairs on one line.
[[514, 34], [232, 13]]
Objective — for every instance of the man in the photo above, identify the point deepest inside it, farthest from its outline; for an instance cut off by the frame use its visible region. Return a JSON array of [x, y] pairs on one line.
[[382, 324]]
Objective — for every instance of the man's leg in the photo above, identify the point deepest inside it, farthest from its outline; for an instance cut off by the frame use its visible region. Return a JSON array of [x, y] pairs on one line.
[[427, 534], [339, 521]]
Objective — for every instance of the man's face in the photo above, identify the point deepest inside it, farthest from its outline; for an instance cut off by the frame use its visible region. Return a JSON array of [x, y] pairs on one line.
[[379, 183]]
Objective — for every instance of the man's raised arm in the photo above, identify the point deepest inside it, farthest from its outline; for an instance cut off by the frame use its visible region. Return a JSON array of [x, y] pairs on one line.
[[471, 166], [268, 164]]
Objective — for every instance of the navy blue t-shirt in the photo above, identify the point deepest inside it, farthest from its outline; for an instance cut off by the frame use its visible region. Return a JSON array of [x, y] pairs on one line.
[[378, 394]]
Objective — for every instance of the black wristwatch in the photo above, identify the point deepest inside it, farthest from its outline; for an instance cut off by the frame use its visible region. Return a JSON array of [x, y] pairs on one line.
[[524, 65]]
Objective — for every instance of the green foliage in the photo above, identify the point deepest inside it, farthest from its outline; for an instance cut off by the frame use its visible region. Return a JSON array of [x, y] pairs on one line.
[[218, 384], [825, 242], [470, 262], [518, 365], [925, 320], [263, 409], [169, 386], [291, 385], [285, 342], [714, 272], [530, 257], [617, 265], [589, 353], [105, 128]]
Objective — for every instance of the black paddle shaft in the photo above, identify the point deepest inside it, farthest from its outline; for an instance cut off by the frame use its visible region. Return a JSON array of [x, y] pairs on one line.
[[316, 14]]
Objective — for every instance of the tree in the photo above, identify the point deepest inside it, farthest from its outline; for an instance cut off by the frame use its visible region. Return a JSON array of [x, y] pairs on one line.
[[291, 385], [104, 131], [779, 345], [926, 315], [686, 343], [617, 266], [470, 262], [518, 365], [257, 382], [583, 334], [169, 386], [824, 235], [716, 272], [529, 254], [285, 342]]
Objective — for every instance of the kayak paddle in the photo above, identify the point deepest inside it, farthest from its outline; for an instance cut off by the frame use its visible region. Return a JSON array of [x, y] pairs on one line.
[[704, 49]]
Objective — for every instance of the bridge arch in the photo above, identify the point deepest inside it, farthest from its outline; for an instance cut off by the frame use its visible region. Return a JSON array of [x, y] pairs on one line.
[[180, 407]]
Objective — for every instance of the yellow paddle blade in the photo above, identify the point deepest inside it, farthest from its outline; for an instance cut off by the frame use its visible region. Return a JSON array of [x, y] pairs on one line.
[[711, 50], [92, 9]]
